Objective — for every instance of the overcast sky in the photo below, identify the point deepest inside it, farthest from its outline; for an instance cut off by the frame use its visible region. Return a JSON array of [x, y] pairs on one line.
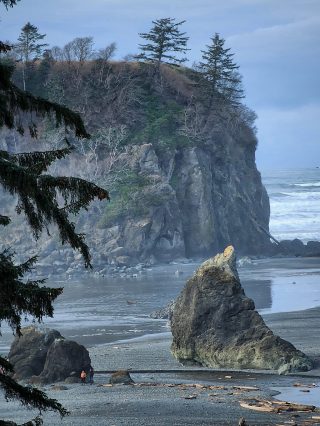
[[276, 43]]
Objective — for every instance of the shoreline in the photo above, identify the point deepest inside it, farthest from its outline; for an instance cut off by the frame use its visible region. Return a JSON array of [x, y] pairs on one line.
[[146, 351], [167, 393]]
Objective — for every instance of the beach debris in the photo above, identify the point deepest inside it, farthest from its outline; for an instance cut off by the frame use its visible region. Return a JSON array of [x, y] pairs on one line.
[[245, 388], [193, 396], [265, 405], [58, 388], [121, 377], [303, 385]]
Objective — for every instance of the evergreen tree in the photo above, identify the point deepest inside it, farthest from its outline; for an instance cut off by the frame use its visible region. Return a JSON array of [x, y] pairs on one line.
[[39, 194], [164, 40], [220, 71], [29, 47]]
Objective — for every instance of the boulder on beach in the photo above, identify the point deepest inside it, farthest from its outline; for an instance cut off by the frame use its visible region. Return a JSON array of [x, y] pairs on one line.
[[28, 352], [44, 356], [216, 325], [121, 377], [63, 358]]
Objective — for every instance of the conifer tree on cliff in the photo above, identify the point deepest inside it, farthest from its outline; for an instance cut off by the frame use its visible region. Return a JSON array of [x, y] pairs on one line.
[[221, 72], [164, 42], [24, 175], [29, 48]]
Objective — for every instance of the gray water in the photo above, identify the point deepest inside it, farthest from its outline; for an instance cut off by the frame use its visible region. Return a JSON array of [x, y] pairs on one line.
[[299, 395], [294, 202], [102, 310]]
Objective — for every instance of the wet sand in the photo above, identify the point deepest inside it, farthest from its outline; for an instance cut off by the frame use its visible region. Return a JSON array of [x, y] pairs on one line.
[[158, 404]]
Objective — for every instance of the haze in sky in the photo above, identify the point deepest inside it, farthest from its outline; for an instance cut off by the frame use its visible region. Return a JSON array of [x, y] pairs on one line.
[[276, 43]]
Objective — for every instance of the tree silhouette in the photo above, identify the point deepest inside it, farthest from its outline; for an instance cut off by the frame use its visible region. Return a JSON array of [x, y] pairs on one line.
[[39, 194], [220, 71], [164, 41]]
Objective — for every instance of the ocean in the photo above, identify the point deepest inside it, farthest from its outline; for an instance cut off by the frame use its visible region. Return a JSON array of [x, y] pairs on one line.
[[295, 203]]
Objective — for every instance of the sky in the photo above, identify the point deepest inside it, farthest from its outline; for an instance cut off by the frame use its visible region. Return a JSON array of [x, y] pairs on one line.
[[276, 43]]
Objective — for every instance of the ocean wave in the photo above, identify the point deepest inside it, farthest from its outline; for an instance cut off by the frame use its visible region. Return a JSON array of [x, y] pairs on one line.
[[309, 184], [278, 194], [310, 195]]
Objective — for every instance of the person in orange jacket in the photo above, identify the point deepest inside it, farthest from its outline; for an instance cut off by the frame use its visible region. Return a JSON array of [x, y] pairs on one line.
[[83, 377]]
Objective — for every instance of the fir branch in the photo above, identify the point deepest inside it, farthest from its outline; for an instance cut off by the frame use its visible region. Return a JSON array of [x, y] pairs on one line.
[[37, 199], [39, 161], [9, 3], [19, 299], [14, 100], [4, 48], [5, 365], [29, 396], [4, 220]]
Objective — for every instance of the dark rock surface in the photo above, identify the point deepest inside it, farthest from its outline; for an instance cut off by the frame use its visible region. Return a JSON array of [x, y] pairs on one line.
[[28, 352], [199, 200], [296, 247], [64, 357], [216, 325], [46, 356], [121, 377]]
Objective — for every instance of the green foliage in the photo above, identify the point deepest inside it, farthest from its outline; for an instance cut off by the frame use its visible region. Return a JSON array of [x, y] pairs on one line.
[[126, 199], [163, 41], [161, 128]]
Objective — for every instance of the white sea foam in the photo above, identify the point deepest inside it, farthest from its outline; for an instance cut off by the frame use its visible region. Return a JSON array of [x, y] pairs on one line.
[[311, 184], [294, 203]]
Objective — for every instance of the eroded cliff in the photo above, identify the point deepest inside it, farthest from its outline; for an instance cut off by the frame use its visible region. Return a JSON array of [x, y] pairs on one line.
[[182, 174]]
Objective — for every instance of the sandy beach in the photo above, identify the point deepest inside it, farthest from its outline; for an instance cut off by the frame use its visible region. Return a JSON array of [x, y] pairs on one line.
[[165, 393]]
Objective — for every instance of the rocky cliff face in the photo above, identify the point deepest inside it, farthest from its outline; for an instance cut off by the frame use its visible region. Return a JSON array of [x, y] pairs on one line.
[[191, 182], [199, 200]]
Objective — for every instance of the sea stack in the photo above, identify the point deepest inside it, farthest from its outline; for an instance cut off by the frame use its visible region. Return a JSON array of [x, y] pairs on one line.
[[216, 325]]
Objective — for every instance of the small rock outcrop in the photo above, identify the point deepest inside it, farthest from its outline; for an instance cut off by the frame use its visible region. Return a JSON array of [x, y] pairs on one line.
[[46, 356], [28, 352], [216, 325], [121, 377], [164, 313]]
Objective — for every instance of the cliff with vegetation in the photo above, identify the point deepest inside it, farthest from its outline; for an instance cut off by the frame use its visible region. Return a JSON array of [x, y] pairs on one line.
[[178, 162]]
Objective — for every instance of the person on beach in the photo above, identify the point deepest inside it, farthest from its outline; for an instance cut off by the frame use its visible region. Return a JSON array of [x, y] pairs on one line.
[[91, 373], [83, 377]]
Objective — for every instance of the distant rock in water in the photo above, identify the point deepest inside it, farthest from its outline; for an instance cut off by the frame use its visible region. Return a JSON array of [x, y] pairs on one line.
[[296, 247], [216, 325], [46, 356], [164, 313]]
